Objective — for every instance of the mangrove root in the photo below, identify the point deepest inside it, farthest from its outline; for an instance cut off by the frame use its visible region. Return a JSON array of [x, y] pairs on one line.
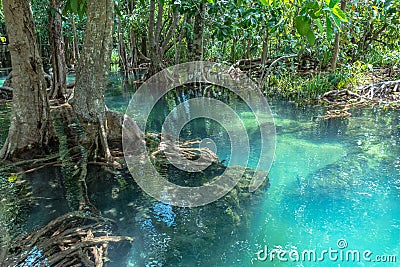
[[74, 239], [387, 92]]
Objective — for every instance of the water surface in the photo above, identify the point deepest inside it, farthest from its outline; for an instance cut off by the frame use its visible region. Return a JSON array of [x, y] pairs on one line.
[[332, 183]]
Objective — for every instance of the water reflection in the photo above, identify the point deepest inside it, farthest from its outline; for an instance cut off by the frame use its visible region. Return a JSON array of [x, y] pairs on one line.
[[330, 180]]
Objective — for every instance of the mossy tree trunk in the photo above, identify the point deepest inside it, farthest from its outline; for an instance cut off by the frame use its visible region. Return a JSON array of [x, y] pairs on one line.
[[31, 125], [92, 75]]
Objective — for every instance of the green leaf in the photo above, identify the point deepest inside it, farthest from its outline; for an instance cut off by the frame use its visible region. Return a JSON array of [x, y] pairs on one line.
[[275, 27], [319, 25], [302, 24], [336, 20], [74, 5], [117, 11], [210, 1], [66, 8], [239, 2], [312, 9], [266, 2], [310, 37], [339, 13], [329, 29], [83, 7], [332, 3], [12, 178]]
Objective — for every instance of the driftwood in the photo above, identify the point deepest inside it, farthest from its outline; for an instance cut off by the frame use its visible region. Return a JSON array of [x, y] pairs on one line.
[[74, 239]]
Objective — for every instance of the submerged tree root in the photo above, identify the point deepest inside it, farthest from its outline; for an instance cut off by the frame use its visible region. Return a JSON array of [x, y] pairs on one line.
[[178, 153], [340, 101], [74, 239]]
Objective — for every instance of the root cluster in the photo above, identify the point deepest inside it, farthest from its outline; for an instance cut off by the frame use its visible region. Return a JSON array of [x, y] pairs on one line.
[[340, 101], [74, 239]]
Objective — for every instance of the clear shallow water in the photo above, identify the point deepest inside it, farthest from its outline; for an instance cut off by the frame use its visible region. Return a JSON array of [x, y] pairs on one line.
[[333, 185], [343, 187], [330, 181]]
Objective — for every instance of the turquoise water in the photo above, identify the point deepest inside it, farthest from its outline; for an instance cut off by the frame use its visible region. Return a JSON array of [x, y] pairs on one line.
[[340, 184], [334, 186], [331, 181]]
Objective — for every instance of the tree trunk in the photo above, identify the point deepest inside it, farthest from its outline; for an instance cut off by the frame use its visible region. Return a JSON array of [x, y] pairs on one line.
[[67, 52], [233, 50], [161, 42], [264, 55], [133, 55], [143, 44], [154, 32], [123, 58], [133, 51], [337, 41], [92, 74], [189, 39], [76, 41], [57, 47], [197, 51], [31, 126], [178, 43]]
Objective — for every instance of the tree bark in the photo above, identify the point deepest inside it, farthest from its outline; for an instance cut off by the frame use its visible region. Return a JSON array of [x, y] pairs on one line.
[[154, 31], [189, 38], [160, 42], [123, 58], [337, 41], [197, 51], [92, 74], [31, 124], [133, 56], [264, 55], [57, 47], [178, 43], [76, 41]]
